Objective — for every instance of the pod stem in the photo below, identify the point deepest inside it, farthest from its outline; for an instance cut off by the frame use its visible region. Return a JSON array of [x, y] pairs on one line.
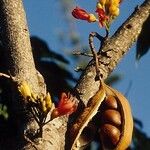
[[95, 55]]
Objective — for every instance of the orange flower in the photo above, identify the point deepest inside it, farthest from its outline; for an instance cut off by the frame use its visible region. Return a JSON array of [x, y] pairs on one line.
[[65, 106], [80, 13]]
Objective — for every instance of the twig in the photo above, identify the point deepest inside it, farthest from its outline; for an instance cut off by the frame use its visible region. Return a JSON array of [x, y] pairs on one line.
[[92, 47], [5, 75], [82, 53], [107, 33], [32, 143], [91, 37]]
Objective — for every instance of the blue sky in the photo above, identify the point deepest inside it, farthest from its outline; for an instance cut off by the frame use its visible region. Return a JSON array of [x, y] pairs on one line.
[[45, 20]]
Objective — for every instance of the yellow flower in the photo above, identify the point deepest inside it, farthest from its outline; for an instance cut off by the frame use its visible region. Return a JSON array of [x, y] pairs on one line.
[[25, 89], [34, 96], [44, 109], [102, 2], [115, 2], [99, 6], [48, 101], [114, 10]]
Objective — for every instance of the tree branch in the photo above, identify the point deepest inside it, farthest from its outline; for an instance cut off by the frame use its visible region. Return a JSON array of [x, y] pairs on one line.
[[112, 52]]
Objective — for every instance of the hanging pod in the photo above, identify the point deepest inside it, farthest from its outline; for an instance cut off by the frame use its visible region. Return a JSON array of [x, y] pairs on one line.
[[112, 111]]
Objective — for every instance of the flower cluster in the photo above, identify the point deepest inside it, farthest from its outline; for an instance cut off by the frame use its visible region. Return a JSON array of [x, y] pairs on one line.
[[42, 103], [66, 106], [39, 105], [106, 11]]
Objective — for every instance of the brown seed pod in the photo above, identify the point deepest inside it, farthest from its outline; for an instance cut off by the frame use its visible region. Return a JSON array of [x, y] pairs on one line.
[[109, 135], [119, 133], [111, 116]]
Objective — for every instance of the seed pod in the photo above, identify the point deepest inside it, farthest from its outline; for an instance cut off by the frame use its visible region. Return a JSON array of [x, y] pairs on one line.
[[111, 116], [116, 128], [109, 136]]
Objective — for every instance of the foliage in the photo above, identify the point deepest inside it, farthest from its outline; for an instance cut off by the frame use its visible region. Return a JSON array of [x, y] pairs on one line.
[[140, 139], [3, 111], [143, 42]]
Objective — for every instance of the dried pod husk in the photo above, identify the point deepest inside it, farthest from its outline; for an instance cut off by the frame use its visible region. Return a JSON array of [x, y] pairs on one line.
[[122, 132], [87, 134], [109, 135], [76, 131], [111, 116]]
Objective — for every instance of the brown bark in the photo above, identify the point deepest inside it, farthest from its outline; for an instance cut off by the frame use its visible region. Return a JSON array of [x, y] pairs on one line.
[[22, 66]]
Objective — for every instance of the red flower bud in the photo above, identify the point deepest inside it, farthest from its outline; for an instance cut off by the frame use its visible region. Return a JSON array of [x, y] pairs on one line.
[[80, 13]]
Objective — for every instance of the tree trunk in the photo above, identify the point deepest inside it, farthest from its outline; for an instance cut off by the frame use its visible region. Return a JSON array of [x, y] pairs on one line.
[[16, 40], [21, 66]]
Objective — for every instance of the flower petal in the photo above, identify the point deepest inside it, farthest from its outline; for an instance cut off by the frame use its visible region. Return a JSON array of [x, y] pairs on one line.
[[80, 13]]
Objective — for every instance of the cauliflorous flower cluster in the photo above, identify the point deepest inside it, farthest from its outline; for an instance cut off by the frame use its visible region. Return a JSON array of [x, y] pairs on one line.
[[106, 10], [41, 105], [66, 106]]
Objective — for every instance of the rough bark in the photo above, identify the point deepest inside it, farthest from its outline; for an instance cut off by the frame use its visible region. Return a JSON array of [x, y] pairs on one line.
[[22, 65], [17, 42]]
